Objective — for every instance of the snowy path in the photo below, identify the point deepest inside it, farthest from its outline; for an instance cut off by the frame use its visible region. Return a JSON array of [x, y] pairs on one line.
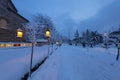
[[84, 66], [73, 63], [14, 62]]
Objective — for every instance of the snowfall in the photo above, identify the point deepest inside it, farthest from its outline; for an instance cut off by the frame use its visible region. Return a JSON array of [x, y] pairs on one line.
[[65, 63]]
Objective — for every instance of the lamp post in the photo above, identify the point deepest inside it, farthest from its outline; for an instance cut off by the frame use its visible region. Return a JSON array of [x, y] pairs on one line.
[[31, 58], [32, 48], [117, 57], [19, 33], [48, 36], [52, 45]]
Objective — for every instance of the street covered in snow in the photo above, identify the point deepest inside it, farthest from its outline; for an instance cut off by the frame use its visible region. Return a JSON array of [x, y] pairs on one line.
[[66, 63], [77, 63]]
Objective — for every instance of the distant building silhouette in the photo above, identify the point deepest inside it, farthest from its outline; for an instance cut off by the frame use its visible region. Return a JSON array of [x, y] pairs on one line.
[[10, 21], [114, 37]]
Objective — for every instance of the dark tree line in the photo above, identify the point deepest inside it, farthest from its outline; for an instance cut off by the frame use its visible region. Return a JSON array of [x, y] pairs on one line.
[[88, 37]]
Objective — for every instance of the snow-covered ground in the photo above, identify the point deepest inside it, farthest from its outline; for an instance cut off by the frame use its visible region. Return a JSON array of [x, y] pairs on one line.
[[15, 62], [77, 63], [66, 63]]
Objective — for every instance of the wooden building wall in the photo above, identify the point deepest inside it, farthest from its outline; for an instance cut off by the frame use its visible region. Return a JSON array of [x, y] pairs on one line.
[[10, 21]]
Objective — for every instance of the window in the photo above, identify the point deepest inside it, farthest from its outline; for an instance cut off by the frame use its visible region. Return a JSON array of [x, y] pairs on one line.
[[3, 23]]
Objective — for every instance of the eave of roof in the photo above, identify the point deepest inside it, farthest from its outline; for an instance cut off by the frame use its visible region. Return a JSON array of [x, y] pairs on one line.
[[12, 5], [18, 14], [115, 33]]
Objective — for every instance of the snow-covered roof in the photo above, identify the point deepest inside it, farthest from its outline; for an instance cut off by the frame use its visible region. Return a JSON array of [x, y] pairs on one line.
[[41, 40], [115, 35]]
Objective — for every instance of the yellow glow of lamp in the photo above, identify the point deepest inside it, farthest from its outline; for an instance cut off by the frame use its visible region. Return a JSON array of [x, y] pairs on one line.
[[57, 43], [19, 33], [47, 33]]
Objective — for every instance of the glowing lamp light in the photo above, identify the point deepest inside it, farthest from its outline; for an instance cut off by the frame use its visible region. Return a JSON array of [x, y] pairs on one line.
[[48, 33], [19, 33], [57, 43]]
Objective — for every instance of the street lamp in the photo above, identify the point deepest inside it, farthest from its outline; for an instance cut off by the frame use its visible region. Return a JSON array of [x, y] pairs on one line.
[[48, 36], [48, 33], [31, 57], [117, 57], [19, 33]]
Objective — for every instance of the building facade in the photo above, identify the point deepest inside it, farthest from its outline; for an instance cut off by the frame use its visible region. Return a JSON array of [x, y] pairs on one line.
[[10, 21]]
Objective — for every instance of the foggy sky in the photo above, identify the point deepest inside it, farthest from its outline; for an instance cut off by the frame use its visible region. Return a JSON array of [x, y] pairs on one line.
[[69, 15], [106, 20]]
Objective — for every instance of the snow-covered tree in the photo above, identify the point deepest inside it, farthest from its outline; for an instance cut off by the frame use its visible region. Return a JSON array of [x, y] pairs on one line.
[[76, 39], [31, 31], [86, 36], [43, 23], [38, 27], [91, 37], [96, 38]]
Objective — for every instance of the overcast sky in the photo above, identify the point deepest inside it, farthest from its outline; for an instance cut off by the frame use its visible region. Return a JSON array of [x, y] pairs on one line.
[[69, 15]]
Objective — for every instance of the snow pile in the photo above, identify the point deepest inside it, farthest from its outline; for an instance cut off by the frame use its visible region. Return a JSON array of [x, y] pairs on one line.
[[15, 62], [77, 63]]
